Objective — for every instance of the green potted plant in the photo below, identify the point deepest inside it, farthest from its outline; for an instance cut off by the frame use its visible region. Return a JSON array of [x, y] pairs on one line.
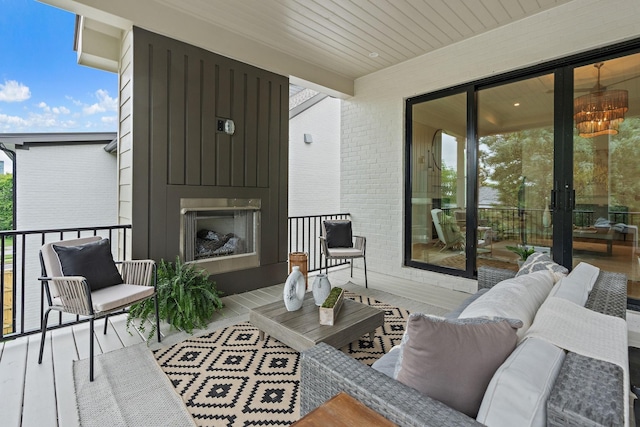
[[331, 306], [187, 298], [522, 251]]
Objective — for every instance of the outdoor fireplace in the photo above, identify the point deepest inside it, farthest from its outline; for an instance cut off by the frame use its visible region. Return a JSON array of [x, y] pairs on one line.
[[220, 235]]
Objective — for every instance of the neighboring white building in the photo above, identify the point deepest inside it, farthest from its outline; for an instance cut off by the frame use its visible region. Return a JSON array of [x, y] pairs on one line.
[[314, 153], [61, 181]]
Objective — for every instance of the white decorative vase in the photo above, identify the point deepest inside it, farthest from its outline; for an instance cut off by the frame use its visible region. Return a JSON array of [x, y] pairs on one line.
[[321, 289], [294, 289]]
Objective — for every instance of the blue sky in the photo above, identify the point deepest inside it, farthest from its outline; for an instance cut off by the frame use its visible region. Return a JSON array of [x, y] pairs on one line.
[[42, 87]]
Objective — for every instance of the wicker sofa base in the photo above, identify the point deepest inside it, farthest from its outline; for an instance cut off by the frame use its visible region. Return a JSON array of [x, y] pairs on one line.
[[587, 392]]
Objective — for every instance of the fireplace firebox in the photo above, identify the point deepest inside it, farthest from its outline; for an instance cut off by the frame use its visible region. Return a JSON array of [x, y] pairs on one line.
[[220, 235]]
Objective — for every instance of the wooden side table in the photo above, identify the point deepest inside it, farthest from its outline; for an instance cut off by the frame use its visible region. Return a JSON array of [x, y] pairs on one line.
[[342, 410]]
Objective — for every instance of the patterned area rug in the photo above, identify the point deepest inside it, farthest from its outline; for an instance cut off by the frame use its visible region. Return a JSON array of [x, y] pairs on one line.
[[231, 378]]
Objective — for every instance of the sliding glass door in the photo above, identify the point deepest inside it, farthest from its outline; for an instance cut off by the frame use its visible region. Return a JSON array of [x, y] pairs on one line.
[[515, 169], [547, 159], [606, 166]]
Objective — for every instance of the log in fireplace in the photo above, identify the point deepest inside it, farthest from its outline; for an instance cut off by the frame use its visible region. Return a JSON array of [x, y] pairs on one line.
[[220, 235]]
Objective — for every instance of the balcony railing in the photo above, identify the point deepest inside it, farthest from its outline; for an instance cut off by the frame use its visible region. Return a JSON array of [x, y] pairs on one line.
[[304, 236], [22, 294]]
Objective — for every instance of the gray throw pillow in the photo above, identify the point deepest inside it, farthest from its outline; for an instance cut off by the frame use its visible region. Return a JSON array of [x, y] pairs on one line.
[[92, 260], [339, 234], [453, 360], [538, 261]]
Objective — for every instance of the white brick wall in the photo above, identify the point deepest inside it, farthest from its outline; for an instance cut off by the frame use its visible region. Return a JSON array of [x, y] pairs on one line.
[[372, 168], [59, 186], [314, 169], [65, 186]]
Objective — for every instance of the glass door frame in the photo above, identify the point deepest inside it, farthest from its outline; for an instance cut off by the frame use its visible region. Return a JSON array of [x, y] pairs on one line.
[[562, 196]]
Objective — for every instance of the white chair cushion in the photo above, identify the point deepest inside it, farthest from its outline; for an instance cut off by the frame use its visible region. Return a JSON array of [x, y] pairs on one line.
[[345, 252], [119, 296], [518, 392]]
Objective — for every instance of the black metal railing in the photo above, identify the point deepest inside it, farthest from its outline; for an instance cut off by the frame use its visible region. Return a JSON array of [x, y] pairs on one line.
[[22, 297], [304, 236]]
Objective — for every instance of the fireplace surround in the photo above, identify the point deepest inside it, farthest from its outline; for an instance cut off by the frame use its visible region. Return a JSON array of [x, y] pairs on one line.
[[220, 234]]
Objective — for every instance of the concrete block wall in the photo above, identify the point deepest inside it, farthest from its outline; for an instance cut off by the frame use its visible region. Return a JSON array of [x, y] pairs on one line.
[[314, 169], [372, 146]]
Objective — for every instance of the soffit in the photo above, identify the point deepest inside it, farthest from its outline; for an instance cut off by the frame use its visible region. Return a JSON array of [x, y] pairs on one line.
[[322, 44]]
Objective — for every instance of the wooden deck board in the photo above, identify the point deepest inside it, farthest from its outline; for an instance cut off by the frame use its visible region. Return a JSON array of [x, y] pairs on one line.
[[64, 353], [12, 380], [39, 390]]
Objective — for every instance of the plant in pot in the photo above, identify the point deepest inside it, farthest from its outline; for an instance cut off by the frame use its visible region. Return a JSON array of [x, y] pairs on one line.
[[187, 298], [522, 251]]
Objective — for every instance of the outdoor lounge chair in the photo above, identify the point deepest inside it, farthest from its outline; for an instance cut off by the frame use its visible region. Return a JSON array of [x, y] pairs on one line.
[[448, 233], [80, 277], [338, 242]]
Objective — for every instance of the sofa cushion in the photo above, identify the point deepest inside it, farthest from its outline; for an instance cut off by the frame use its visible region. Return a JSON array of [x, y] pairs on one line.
[[455, 313], [577, 285], [453, 360], [93, 261], [539, 261], [515, 298], [387, 363], [518, 392]]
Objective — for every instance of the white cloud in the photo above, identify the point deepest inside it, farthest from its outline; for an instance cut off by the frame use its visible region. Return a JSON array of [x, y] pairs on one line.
[[54, 110], [12, 91], [109, 120], [11, 121], [105, 103]]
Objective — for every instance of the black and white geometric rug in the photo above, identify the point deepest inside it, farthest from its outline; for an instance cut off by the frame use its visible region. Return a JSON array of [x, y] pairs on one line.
[[231, 378]]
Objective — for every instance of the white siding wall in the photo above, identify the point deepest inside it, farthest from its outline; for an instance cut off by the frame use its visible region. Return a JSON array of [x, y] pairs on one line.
[[59, 186], [125, 154], [314, 169], [372, 169]]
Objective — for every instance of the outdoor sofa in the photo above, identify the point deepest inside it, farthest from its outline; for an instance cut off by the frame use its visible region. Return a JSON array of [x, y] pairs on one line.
[[586, 391]]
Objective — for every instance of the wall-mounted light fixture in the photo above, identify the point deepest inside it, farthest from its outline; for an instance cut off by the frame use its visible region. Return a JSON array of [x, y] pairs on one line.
[[308, 139], [225, 125]]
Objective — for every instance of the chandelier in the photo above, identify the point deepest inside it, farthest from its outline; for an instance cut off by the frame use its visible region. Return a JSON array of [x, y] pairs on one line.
[[601, 111]]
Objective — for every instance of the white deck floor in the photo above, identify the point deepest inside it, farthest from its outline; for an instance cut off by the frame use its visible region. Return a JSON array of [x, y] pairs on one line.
[[43, 395]]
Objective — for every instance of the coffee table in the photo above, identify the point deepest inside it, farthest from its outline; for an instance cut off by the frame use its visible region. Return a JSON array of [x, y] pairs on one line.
[[301, 329]]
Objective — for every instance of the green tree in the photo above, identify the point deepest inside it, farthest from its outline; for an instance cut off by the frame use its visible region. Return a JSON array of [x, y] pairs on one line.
[[6, 202]]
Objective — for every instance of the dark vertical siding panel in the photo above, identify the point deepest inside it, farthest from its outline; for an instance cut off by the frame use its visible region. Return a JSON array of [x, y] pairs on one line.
[[251, 132], [223, 142], [142, 97], [282, 117], [263, 134], [159, 133], [176, 85], [193, 117], [208, 160], [238, 102]]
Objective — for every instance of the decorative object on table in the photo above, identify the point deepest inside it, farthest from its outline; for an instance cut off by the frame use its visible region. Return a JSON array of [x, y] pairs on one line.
[[300, 259], [522, 251], [331, 307], [294, 290], [321, 288], [187, 298]]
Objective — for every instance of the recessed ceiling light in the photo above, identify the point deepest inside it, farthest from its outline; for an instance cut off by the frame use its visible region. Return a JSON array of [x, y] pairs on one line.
[[517, 104], [373, 55]]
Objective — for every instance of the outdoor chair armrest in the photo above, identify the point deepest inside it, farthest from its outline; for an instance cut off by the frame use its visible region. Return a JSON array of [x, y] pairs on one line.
[[74, 295], [360, 243], [490, 276], [138, 272], [326, 371]]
